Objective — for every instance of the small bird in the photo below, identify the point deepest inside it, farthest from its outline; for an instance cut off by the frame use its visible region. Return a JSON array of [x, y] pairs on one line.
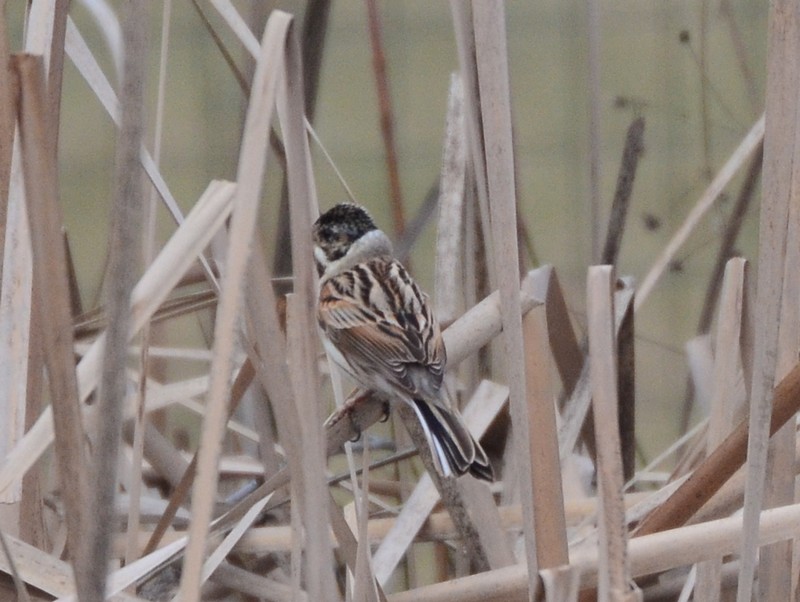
[[378, 327]]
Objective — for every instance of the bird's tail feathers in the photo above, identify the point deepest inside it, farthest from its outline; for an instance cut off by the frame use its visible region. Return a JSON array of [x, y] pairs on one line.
[[454, 450]]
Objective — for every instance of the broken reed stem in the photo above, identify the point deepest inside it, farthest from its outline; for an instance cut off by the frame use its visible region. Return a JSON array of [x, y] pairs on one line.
[[613, 568], [634, 147], [720, 465], [548, 499]]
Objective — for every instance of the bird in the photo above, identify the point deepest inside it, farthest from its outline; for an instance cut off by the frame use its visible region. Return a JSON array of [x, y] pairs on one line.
[[378, 326]]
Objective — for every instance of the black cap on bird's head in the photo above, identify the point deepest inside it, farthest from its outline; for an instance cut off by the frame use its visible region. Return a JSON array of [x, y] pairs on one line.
[[339, 227]]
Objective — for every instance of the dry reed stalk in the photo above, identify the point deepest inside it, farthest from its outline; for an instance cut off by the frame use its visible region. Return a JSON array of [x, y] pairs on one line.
[[186, 480], [264, 325], [249, 182], [719, 466], [472, 331], [16, 315], [723, 401], [254, 585], [626, 379], [452, 495], [349, 546], [479, 413], [775, 565], [148, 233], [19, 585], [746, 148], [124, 257], [480, 505], [576, 407], [492, 70], [22, 332], [548, 499], [365, 587], [300, 438], [613, 568], [464, 30], [38, 569], [218, 555], [19, 356], [386, 117], [438, 526], [449, 293], [315, 26], [206, 218], [303, 211], [649, 554], [55, 319], [8, 118], [562, 341], [238, 26], [315, 30], [729, 238], [780, 180]]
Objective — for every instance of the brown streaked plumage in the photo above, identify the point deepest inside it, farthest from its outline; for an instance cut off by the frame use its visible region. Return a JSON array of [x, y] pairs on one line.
[[379, 328]]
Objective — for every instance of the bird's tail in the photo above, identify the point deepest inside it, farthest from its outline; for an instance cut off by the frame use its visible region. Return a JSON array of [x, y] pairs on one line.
[[454, 450]]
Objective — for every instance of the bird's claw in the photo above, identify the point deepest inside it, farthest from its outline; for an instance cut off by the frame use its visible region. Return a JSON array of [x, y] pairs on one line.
[[387, 411]]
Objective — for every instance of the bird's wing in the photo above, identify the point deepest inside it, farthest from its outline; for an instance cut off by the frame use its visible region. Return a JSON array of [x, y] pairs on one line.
[[382, 324]]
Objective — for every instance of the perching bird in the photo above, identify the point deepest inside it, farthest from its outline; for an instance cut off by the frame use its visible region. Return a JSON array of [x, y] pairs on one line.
[[378, 327]]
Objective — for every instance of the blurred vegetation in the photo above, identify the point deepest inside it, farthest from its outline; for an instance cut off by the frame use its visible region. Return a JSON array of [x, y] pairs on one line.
[[694, 70]]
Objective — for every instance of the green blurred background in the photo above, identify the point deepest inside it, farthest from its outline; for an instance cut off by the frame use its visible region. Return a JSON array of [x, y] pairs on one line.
[[694, 70]]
